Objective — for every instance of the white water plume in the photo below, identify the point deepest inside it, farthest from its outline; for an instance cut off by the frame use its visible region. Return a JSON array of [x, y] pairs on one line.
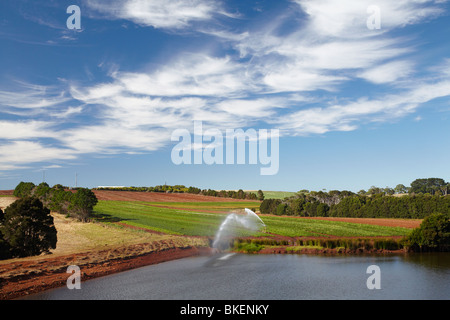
[[237, 223]]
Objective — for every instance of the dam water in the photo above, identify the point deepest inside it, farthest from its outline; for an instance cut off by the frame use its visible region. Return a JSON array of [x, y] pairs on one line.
[[230, 276]]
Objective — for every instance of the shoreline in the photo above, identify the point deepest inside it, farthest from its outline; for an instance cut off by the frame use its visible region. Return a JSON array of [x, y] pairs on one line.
[[53, 270]]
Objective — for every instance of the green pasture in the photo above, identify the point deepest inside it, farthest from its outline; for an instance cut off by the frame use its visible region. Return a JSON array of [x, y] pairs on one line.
[[295, 227], [277, 194]]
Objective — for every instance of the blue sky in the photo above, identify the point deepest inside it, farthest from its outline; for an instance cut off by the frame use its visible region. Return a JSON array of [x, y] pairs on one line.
[[355, 106]]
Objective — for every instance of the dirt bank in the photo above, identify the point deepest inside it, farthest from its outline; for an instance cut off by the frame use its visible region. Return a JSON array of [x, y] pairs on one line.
[[26, 277]]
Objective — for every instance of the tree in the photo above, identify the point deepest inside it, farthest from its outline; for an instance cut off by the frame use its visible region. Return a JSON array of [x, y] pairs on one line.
[[281, 209], [82, 203], [400, 188], [436, 230], [260, 195], [433, 233], [4, 245], [374, 190], [28, 228], [269, 206], [24, 189], [429, 185], [42, 191]]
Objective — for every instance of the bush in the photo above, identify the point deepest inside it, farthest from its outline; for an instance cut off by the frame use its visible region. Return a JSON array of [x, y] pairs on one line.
[[82, 203], [252, 247], [433, 234], [28, 228]]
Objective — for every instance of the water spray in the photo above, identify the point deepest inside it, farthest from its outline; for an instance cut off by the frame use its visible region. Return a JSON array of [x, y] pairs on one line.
[[234, 223]]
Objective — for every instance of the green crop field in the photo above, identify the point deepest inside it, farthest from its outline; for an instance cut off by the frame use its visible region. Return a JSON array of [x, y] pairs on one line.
[[188, 221], [277, 194], [294, 227]]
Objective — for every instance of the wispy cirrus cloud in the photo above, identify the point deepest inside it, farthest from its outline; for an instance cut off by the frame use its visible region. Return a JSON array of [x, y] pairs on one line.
[[351, 115], [175, 14], [287, 80], [32, 96], [348, 18], [20, 154]]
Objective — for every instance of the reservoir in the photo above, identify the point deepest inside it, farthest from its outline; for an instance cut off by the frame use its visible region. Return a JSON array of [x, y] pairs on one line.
[[272, 277]]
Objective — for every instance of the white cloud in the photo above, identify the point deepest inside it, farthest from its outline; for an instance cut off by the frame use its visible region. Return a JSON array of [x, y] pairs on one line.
[[30, 96], [389, 72], [15, 130], [194, 75], [347, 117], [173, 14], [16, 154], [348, 18]]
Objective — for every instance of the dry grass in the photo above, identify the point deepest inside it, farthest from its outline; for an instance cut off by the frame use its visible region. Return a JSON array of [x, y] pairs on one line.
[[6, 201]]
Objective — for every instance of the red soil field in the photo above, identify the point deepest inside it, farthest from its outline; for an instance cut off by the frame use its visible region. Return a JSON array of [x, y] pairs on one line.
[[158, 197]]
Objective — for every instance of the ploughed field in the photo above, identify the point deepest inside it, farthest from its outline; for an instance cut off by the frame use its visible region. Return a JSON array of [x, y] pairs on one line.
[[157, 197]]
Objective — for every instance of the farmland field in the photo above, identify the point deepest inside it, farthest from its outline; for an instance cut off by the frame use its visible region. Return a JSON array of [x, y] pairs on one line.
[[204, 219], [277, 194]]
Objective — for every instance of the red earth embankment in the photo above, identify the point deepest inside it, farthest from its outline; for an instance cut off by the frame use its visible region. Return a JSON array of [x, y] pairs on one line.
[[33, 275]]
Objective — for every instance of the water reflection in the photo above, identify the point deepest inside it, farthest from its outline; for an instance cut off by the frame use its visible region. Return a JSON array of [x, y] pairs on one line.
[[273, 277]]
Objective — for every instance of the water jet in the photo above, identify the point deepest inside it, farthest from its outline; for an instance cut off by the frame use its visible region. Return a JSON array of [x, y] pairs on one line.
[[237, 224]]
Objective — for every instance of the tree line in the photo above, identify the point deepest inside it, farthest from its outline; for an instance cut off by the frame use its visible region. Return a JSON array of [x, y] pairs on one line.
[[433, 186], [239, 194], [78, 204], [418, 203]]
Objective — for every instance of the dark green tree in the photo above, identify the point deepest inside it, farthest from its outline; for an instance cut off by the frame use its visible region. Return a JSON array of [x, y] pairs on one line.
[[260, 195], [433, 233], [42, 191], [82, 203], [24, 189], [28, 228], [429, 185], [374, 190], [400, 188], [281, 209], [269, 206], [436, 230], [4, 245]]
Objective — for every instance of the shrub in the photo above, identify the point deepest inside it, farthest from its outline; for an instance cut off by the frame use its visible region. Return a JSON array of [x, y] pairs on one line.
[[432, 234], [82, 203]]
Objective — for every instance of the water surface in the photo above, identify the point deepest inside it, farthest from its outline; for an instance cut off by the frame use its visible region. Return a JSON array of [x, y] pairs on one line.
[[272, 277]]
